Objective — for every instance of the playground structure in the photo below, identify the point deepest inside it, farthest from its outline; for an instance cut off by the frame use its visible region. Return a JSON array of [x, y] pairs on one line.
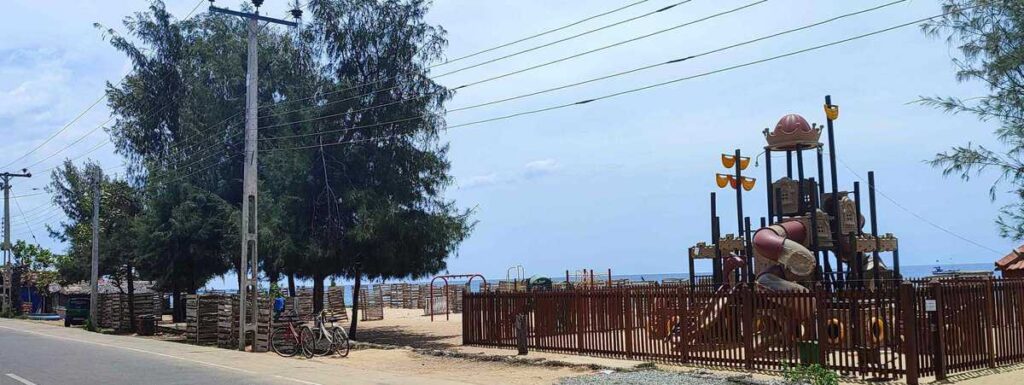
[[808, 285], [445, 278]]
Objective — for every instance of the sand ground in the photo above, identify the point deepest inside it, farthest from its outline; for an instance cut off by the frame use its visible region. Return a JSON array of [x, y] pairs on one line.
[[406, 327]]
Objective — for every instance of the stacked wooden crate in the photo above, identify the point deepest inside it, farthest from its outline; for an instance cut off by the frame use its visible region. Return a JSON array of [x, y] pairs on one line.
[[227, 322], [109, 311], [302, 304], [371, 303], [385, 289], [264, 325], [455, 297], [201, 318], [336, 303]]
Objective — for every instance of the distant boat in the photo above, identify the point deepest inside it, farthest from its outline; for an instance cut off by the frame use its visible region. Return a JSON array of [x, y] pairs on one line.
[[939, 272]]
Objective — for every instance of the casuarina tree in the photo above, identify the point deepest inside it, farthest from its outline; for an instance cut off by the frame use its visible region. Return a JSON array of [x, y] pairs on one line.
[[989, 35]]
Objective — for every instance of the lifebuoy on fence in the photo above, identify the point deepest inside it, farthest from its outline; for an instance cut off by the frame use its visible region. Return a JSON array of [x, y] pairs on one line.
[[876, 329], [835, 330]]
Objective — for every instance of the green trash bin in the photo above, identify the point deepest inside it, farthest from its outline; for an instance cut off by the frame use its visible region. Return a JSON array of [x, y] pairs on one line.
[[809, 352]]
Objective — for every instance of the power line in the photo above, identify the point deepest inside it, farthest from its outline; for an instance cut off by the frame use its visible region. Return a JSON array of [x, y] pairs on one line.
[[520, 40], [78, 117], [548, 63], [678, 60], [562, 40], [916, 215], [33, 233], [655, 85]]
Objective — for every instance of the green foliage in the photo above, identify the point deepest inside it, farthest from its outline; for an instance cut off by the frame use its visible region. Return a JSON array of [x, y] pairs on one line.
[[811, 375], [44, 266], [989, 34], [186, 236], [120, 204]]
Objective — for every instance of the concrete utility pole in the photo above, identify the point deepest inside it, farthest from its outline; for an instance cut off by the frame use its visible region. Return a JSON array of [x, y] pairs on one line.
[[94, 274], [5, 289], [249, 273]]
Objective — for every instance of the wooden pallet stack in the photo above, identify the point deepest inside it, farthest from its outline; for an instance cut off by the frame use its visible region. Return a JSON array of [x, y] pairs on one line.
[[227, 322], [302, 304], [455, 297], [371, 303], [201, 318], [385, 288], [336, 303], [264, 325]]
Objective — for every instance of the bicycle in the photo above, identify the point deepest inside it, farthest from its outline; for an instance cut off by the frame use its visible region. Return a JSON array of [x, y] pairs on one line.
[[324, 338], [287, 341]]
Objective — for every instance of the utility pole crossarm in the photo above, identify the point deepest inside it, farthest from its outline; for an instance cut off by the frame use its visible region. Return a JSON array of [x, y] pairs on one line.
[[253, 16]]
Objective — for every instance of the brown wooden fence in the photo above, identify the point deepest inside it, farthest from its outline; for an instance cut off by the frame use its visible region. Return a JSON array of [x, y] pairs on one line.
[[911, 330]]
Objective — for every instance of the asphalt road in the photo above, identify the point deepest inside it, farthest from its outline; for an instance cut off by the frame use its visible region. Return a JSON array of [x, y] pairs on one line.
[[28, 358]]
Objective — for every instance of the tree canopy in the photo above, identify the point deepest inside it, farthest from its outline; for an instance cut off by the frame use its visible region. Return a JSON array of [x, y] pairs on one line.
[[989, 35], [352, 169]]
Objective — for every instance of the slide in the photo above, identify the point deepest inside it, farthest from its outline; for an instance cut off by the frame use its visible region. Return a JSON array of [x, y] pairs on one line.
[[783, 243]]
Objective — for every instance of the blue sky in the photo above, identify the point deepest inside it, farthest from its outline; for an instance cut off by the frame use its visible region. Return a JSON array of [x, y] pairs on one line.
[[620, 183]]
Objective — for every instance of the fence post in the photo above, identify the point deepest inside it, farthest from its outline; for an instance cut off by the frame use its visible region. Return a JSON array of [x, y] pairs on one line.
[[748, 325], [822, 315], [938, 333], [909, 314], [579, 320], [989, 321], [683, 311], [627, 313]]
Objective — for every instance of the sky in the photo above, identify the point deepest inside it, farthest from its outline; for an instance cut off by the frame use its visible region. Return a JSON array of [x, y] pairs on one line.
[[621, 183]]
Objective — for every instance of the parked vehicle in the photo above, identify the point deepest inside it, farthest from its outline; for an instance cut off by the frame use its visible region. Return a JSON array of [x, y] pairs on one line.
[[76, 311]]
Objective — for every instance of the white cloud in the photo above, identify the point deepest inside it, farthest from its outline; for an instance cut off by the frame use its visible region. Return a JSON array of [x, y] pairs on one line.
[[480, 181], [540, 168]]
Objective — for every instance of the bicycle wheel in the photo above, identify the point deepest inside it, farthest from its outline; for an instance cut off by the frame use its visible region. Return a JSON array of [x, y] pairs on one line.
[[284, 342], [324, 342], [341, 342], [307, 340]]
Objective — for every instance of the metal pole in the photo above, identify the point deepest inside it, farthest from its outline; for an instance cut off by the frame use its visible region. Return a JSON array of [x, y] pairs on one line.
[[749, 250], [835, 179], [95, 270], [716, 263], [858, 263], [768, 179], [740, 231], [874, 224]]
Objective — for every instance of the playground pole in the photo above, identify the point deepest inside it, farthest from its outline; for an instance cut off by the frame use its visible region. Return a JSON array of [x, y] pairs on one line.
[[716, 263], [833, 174], [749, 250], [874, 222], [821, 195], [789, 164], [768, 179], [739, 200], [858, 263]]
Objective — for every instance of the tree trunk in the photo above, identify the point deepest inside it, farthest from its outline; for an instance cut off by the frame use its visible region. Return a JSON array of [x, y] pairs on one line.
[[355, 305], [291, 284], [131, 298], [178, 311], [318, 293]]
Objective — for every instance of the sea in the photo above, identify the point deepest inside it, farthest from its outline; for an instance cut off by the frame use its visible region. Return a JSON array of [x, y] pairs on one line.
[[910, 271]]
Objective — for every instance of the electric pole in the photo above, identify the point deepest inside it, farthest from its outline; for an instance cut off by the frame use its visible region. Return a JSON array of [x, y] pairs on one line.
[[8, 275], [249, 273], [94, 274]]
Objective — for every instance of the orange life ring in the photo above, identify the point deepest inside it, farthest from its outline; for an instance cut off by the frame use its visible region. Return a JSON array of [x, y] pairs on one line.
[[835, 331]]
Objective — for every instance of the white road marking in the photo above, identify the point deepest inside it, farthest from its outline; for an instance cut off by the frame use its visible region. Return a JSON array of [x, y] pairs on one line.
[[148, 352], [19, 379]]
